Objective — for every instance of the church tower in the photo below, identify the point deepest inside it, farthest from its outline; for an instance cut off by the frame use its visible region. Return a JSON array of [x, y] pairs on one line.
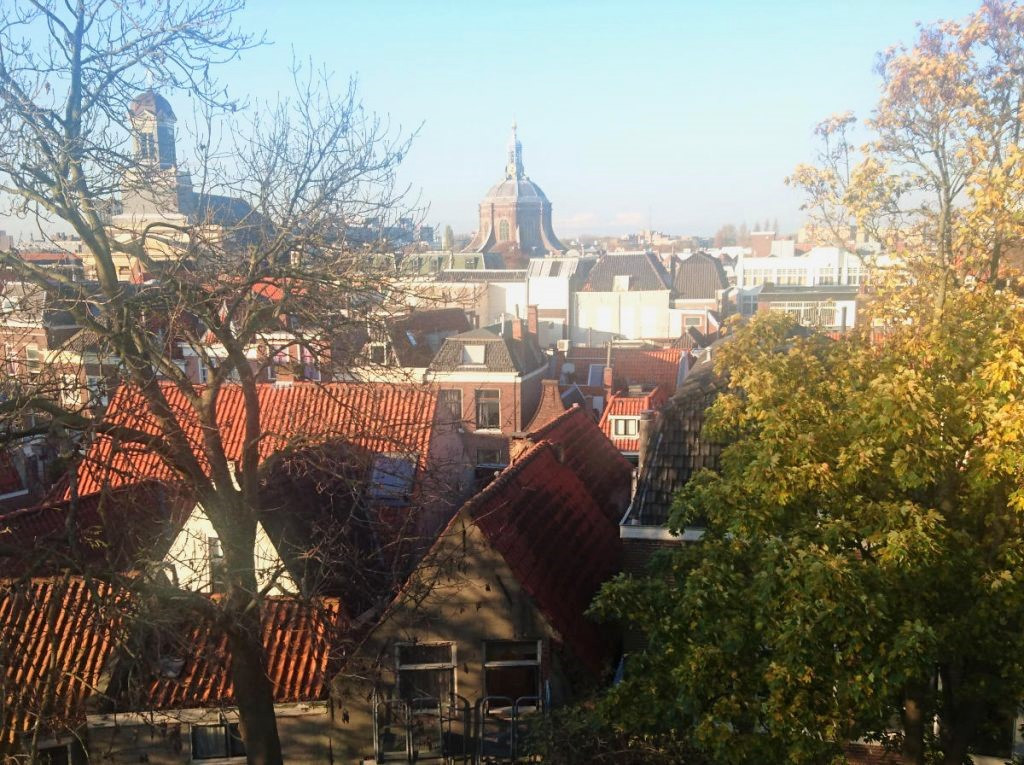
[[515, 216], [154, 186]]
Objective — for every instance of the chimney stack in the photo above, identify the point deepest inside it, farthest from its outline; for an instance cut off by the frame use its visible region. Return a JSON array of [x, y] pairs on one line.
[[517, 329], [646, 426], [531, 319]]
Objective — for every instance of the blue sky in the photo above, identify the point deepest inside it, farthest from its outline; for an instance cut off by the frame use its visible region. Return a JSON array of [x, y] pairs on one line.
[[686, 114]]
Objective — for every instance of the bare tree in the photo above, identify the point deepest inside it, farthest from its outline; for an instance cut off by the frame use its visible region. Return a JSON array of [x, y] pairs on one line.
[[259, 260]]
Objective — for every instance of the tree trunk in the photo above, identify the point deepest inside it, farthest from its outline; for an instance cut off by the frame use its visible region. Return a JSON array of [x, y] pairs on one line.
[[254, 693], [915, 719]]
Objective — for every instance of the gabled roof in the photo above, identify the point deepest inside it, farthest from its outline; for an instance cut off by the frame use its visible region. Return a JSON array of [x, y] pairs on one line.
[[629, 405], [700, 277], [299, 639], [502, 352], [56, 635], [591, 456], [644, 270], [542, 518], [378, 417]]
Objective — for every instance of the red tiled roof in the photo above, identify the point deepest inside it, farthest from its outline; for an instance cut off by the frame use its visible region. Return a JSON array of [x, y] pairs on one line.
[[592, 457], [379, 417], [550, 405], [110, 529], [298, 639], [540, 515], [624, 405], [631, 366], [62, 623], [870, 754], [643, 366]]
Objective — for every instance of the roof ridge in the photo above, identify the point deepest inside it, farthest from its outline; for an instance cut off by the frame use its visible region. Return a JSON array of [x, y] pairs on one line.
[[548, 426]]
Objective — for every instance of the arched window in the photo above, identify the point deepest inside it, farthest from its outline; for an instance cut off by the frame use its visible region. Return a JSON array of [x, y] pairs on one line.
[[503, 231]]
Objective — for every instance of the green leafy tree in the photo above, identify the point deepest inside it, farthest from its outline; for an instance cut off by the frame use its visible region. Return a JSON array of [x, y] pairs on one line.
[[864, 540]]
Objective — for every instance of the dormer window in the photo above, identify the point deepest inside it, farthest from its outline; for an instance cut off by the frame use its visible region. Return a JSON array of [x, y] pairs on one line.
[[625, 427], [473, 354], [620, 283], [378, 353]]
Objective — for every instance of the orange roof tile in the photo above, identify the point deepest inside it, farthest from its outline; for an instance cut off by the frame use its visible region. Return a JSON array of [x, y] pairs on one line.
[[55, 637], [299, 639], [591, 456], [379, 417], [631, 366], [625, 405]]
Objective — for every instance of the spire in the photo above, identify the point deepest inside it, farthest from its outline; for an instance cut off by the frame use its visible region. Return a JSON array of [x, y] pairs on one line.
[[514, 168]]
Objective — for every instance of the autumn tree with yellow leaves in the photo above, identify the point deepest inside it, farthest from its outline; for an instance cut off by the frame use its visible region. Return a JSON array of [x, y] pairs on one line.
[[861, 574]]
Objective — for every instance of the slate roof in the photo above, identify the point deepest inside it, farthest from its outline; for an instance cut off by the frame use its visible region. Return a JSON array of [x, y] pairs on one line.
[[629, 405], [502, 353], [677, 449], [592, 457], [415, 338], [298, 637], [378, 417], [58, 622], [644, 269], [540, 515], [699, 277]]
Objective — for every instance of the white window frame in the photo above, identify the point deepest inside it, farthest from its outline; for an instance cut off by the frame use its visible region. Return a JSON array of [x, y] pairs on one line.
[[499, 664], [476, 409], [452, 666], [625, 422]]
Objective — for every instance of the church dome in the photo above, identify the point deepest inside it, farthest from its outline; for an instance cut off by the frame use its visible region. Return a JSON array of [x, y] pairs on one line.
[[515, 188], [515, 215], [151, 102]]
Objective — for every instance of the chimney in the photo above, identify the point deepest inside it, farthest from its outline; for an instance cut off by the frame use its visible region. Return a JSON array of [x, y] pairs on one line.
[[608, 380], [531, 319], [517, 329], [646, 426]]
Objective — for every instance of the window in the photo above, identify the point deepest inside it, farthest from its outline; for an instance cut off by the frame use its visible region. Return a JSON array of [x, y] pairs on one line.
[[807, 313], [620, 283], [215, 555], [10, 366], [451, 403], [378, 353], [473, 354], [491, 457], [691, 321], [595, 375], [488, 410], [512, 668], [392, 478], [425, 671], [33, 358], [216, 742], [310, 367], [503, 231], [625, 427], [554, 268]]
